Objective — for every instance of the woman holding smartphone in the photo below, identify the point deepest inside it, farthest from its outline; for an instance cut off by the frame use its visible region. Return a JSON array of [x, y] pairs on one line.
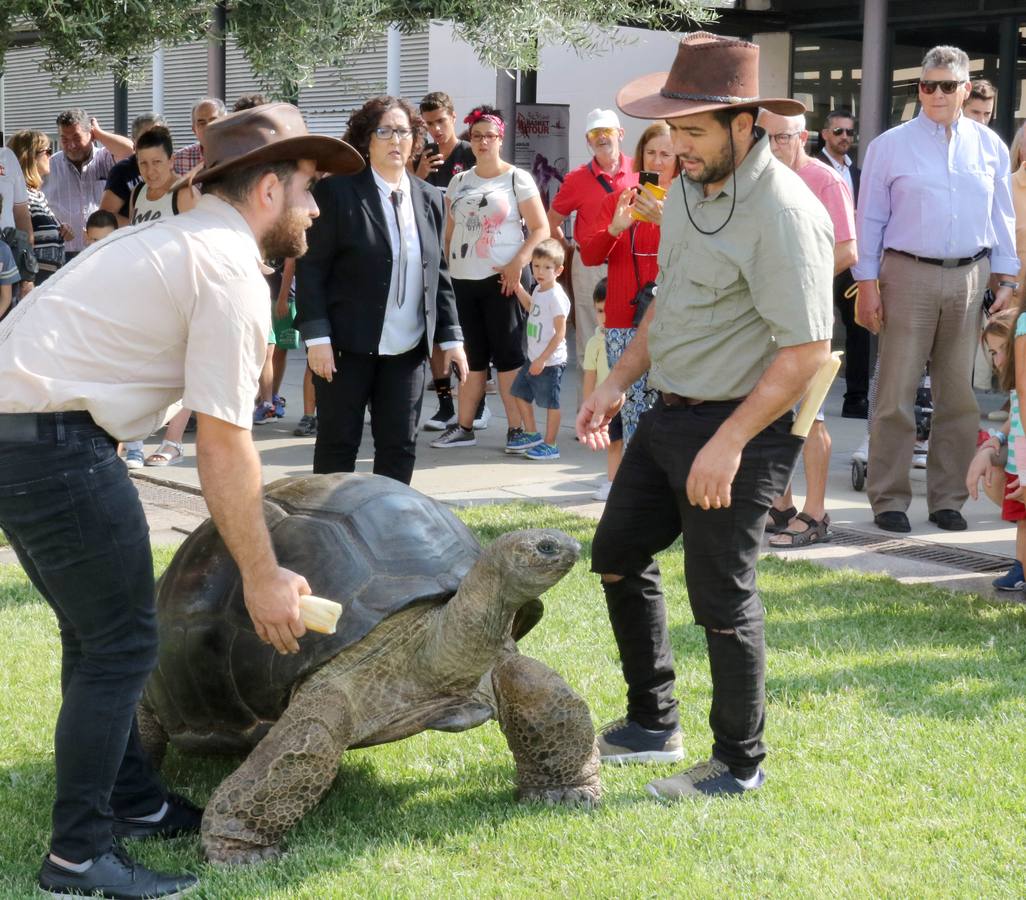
[[627, 236]]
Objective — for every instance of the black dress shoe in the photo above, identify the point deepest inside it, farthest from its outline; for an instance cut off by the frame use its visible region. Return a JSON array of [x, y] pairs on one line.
[[182, 817], [855, 409], [892, 520], [112, 875], [949, 520]]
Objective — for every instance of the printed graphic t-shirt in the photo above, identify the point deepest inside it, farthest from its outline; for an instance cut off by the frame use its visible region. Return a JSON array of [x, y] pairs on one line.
[[545, 306]]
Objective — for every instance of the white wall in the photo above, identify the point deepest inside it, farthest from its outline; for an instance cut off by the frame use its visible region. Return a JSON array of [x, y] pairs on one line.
[[563, 77]]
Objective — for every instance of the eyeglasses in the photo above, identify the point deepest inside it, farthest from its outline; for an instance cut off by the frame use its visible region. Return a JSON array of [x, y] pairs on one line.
[[46, 151], [784, 137], [386, 132], [481, 137], [948, 87], [601, 132], [837, 132]]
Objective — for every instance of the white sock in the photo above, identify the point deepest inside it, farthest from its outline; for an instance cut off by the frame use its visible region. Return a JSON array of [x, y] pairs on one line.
[[748, 782], [70, 866], [154, 817]]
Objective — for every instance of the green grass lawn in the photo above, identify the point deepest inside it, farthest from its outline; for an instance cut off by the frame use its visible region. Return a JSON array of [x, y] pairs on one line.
[[895, 724]]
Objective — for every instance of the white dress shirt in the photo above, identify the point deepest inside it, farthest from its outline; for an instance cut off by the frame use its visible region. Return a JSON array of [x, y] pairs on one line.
[[842, 168]]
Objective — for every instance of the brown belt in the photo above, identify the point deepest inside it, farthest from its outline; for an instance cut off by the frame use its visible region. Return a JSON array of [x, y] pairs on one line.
[[677, 400]]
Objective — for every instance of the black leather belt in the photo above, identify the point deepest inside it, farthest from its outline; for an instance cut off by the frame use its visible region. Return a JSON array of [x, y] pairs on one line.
[[32, 427], [946, 263], [672, 400]]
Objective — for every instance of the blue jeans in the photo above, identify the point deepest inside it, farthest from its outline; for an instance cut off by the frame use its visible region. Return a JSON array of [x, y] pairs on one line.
[[74, 519]]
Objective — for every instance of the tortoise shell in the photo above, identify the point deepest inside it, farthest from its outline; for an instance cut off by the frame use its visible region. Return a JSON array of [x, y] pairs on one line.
[[371, 543]]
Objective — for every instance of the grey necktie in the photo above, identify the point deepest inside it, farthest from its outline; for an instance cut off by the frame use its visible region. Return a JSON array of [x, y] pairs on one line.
[[400, 287]]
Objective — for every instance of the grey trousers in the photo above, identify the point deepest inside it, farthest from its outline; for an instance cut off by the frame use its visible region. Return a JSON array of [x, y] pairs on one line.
[[584, 278], [930, 314]]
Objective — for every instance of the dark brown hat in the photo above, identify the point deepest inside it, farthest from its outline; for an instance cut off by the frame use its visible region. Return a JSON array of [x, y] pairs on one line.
[[272, 132], [710, 72]]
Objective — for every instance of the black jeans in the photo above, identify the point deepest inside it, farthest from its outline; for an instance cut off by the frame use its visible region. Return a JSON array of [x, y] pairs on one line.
[[856, 342], [74, 519], [646, 511], [394, 387]]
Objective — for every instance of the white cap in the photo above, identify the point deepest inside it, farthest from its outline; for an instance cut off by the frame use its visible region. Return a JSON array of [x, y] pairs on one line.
[[602, 118]]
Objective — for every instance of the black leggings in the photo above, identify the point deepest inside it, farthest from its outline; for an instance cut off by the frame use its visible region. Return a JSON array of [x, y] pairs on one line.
[[493, 325]]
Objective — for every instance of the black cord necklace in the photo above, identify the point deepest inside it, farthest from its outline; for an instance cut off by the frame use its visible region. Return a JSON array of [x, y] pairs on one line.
[[733, 194]]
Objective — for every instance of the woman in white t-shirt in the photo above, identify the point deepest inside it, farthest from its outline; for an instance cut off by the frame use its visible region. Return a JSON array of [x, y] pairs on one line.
[[488, 208], [153, 198]]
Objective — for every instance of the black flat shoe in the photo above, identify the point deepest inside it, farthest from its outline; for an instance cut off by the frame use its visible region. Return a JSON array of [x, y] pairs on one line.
[[182, 817], [855, 409], [893, 520], [949, 520], [112, 875]]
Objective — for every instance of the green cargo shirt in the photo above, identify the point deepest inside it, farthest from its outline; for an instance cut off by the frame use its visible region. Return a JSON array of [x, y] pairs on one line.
[[728, 301]]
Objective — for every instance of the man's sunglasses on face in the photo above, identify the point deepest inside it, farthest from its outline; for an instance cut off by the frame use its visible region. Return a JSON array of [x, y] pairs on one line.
[[948, 87], [837, 132]]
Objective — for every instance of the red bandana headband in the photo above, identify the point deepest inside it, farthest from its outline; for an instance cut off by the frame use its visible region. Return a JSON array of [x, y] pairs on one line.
[[477, 116]]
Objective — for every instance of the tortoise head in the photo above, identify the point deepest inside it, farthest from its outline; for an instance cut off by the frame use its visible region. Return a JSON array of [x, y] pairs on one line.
[[533, 560]]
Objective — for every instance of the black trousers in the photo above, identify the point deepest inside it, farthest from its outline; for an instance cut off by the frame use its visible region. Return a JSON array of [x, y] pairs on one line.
[[646, 511], [394, 387], [856, 342], [74, 519]]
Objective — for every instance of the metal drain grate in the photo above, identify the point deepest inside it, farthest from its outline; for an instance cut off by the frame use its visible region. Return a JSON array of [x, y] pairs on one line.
[[923, 551], [171, 496]]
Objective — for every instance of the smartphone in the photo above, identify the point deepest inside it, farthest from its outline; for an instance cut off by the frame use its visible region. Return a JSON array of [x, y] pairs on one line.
[[648, 178], [431, 149]]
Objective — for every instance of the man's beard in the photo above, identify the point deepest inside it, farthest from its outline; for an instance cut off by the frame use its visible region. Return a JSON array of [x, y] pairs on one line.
[[287, 236], [716, 169]]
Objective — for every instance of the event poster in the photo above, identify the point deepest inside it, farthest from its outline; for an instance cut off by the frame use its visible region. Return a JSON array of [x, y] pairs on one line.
[[542, 145]]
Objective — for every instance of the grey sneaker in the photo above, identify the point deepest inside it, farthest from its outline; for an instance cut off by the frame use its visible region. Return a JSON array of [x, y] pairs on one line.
[[624, 741], [454, 436], [710, 778], [306, 427]]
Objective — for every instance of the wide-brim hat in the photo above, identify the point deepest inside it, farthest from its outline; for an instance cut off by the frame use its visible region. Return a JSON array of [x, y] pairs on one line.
[[271, 132], [709, 73]]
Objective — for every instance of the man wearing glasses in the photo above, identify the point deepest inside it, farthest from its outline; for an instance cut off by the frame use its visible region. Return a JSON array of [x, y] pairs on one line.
[[609, 171], [935, 218], [838, 136]]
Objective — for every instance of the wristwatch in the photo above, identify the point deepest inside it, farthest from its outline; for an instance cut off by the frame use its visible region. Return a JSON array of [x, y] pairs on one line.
[[1014, 285]]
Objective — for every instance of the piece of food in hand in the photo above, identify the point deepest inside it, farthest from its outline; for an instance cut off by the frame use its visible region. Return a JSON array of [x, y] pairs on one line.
[[319, 614]]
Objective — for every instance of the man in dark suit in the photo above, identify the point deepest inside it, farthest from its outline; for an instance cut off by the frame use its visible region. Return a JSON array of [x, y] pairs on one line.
[[838, 139], [373, 297]]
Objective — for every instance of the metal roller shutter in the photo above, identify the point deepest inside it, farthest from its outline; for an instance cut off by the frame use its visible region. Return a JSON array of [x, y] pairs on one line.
[[329, 101], [413, 66]]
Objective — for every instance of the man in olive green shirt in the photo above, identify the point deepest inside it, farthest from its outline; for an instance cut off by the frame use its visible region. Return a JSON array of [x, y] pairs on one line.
[[741, 322]]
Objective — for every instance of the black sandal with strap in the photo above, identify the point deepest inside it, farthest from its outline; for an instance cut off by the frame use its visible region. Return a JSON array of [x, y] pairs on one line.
[[779, 519], [815, 533]]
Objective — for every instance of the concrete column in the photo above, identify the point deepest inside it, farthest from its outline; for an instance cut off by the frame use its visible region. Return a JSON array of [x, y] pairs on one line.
[[158, 81], [1005, 112], [506, 100], [874, 96], [121, 107], [393, 60], [217, 67], [774, 63]]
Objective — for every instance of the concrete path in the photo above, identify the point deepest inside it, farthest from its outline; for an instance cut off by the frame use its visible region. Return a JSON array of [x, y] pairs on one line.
[[484, 474]]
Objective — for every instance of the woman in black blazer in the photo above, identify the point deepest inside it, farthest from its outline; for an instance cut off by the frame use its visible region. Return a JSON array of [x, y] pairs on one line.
[[374, 296]]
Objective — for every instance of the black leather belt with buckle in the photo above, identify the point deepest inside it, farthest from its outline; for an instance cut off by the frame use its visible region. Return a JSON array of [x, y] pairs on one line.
[[672, 400], [30, 427], [946, 263]]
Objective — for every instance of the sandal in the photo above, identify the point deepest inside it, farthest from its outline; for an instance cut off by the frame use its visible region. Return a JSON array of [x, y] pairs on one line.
[[167, 454], [779, 518], [814, 533]]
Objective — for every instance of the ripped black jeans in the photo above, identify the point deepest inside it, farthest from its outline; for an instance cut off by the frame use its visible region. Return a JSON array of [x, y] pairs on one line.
[[646, 511]]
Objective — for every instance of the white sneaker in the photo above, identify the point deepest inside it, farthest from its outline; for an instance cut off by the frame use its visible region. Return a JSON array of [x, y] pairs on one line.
[[486, 417], [134, 459], [919, 454], [454, 436], [862, 454], [603, 492]]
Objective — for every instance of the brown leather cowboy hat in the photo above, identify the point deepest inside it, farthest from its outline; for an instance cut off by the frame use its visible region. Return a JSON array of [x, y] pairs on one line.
[[709, 73], [272, 132]]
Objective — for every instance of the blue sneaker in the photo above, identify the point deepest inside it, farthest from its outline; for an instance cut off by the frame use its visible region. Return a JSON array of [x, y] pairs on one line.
[[542, 451], [1012, 580], [263, 414], [711, 778], [519, 441], [279, 406], [624, 741]]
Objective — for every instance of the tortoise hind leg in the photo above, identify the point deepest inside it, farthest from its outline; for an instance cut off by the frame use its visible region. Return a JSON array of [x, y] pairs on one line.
[[282, 779], [549, 731], [152, 734]]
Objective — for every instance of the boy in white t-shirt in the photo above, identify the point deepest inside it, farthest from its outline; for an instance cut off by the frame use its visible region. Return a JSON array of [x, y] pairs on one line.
[[539, 379]]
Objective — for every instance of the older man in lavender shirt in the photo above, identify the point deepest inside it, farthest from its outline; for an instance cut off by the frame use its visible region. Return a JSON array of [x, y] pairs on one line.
[[935, 218]]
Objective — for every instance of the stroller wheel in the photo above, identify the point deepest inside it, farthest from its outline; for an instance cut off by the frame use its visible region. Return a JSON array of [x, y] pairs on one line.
[[858, 475]]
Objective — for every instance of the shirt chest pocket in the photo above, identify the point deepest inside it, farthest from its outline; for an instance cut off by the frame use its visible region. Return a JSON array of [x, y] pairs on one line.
[[710, 291]]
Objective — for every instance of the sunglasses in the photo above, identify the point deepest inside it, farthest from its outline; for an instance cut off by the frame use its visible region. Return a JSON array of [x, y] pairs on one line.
[[601, 132], [948, 87], [47, 152], [837, 132]]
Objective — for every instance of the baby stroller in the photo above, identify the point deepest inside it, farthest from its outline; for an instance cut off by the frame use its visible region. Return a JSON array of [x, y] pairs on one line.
[[923, 410]]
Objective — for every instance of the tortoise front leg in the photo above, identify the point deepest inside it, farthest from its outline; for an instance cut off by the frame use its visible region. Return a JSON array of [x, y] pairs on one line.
[[549, 731], [281, 780]]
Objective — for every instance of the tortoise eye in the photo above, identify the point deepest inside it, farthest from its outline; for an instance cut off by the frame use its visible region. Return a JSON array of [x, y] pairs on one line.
[[548, 546]]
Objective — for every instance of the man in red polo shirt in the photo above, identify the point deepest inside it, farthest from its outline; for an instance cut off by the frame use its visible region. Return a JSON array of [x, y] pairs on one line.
[[582, 192]]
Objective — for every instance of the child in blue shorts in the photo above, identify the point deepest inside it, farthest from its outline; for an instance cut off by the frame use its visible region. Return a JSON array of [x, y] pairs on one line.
[[539, 379]]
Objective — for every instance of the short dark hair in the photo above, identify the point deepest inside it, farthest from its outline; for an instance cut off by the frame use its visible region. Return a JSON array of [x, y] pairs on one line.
[[598, 295], [982, 89], [364, 120], [76, 116], [437, 100], [248, 101], [838, 114], [727, 115], [157, 136], [145, 122], [102, 218], [236, 184]]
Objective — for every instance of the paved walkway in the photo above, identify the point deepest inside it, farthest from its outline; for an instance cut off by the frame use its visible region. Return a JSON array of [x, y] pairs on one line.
[[484, 474]]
